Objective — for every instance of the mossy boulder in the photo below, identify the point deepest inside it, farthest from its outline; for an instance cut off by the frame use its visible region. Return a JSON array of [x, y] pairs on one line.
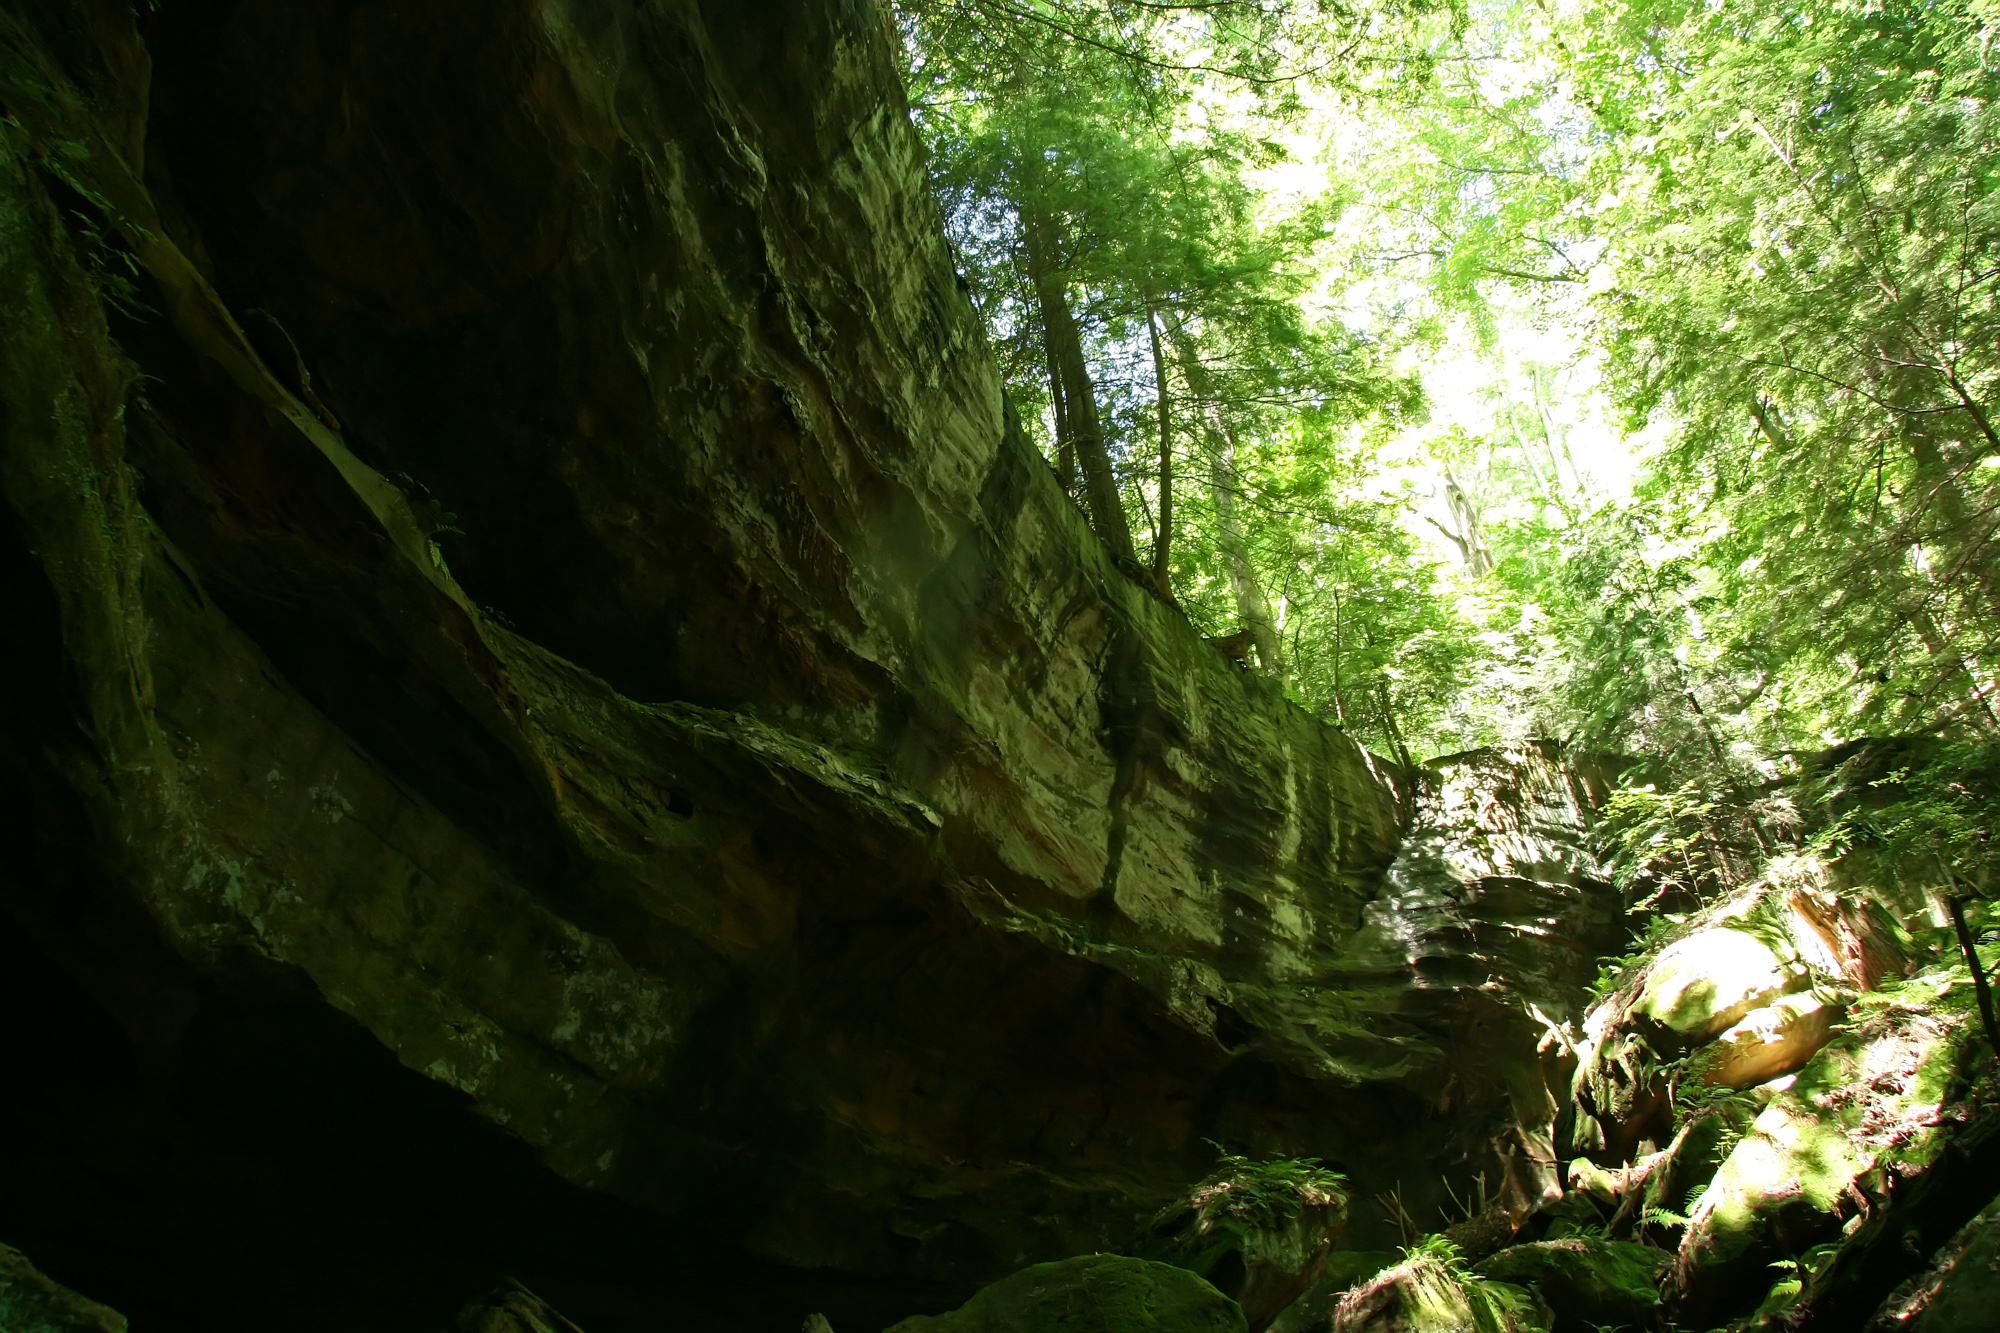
[[1428, 1295], [1585, 1282], [1701, 985], [1768, 1042], [31, 1302], [1259, 1232], [1863, 1113], [1094, 1293]]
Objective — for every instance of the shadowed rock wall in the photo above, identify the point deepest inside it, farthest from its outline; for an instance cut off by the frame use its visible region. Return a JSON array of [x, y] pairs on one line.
[[512, 519]]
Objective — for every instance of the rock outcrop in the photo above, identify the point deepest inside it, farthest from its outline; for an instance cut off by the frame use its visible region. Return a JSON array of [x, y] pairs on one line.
[[546, 681], [511, 531]]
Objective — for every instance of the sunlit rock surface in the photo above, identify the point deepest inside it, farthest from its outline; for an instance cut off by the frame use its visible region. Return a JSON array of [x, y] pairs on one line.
[[1701, 985], [1863, 1117], [1738, 958], [1769, 1042], [1494, 909]]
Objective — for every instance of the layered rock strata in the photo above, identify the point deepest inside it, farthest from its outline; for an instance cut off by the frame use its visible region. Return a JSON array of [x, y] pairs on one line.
[[511, 521]]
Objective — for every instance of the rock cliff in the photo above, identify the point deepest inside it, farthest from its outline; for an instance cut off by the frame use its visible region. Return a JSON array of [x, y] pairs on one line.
[[518, 559]]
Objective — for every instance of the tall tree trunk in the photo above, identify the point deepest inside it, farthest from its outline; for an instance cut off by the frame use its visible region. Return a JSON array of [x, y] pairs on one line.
[[1065, 345], [1250, 604], [1251, 607], [1163, 543], [1471, 535], [1065, 441], [1389, 723]]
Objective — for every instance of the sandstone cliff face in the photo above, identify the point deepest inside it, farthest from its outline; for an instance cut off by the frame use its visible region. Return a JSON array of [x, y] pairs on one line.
[[510, 520]]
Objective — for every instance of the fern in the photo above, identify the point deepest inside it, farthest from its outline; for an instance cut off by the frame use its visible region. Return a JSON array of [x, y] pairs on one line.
[[1436, 1249]]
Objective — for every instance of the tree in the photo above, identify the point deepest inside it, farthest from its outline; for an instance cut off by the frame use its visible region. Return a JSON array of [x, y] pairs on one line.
[[1152, 311]]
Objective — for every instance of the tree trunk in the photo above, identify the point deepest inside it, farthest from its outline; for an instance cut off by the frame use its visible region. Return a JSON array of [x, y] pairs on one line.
[[1251, 607], [1389, 723], [1065, 460], [1163, 543], [1465, 517], [1065, 347]]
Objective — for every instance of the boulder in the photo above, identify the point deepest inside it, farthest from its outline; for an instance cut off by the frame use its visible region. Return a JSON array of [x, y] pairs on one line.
[[1586, 1283], [1430, 1295], [1693, 991], [1703, 983], [33, 1303], [1864, 1113], [1260, 1232], [1094, 1293], [1769, 1042]]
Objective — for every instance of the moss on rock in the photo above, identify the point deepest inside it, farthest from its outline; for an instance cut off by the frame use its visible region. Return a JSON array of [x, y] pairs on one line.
[[1093, 1293], [1865, 1113], [1259, 1231], [1585, 1282], [1961, 1291], [1701, 985], [1432, 1295]]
